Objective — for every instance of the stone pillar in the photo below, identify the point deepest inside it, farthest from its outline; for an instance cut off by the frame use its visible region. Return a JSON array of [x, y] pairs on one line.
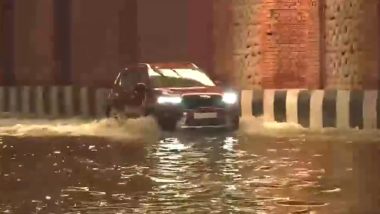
[[6, 42], [62, 41], [200, 36], [268, 44], [351, 44], [223, 34], [163, 30], [103, 40], [2, 41], [128, 28], [33, 45]]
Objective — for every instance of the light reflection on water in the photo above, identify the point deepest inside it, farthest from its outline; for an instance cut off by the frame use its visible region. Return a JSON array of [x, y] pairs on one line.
[[189, 173]]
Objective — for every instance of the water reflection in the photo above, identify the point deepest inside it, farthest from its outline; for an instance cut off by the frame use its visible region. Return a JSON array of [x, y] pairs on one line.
[[366, 174], [189, 173]]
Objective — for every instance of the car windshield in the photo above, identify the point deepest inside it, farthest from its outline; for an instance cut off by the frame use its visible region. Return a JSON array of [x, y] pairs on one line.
[[172, 78]]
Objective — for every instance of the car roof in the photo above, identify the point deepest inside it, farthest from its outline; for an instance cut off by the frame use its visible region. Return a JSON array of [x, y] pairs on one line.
[[170, 65], [164, 65]]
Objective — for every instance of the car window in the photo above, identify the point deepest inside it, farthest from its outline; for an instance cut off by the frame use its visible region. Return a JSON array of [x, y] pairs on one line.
[[195, 75], [129, 79], [162, 78]]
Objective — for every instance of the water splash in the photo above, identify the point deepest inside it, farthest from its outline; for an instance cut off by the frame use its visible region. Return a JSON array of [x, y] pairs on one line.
[[258, 126], [252, 126], [133, 129]]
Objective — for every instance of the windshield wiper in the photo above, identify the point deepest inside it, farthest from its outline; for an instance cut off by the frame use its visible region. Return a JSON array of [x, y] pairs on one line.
[[176, 72], [159, 72]]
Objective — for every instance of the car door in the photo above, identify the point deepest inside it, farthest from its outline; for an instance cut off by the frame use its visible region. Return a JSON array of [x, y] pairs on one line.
[[133, 87]]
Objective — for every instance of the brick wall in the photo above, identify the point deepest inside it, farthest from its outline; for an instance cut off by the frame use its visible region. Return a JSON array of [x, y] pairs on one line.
[[270, 44], [290, 44]]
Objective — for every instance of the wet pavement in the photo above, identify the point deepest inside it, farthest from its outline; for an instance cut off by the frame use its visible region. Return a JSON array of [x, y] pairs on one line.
[[192, 172]]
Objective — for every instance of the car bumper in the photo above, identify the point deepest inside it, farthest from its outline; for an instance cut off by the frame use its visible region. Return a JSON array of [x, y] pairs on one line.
[[199, 118]]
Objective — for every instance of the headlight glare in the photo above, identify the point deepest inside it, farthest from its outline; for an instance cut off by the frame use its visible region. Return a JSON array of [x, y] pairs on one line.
[[230, 97], [169, 100]]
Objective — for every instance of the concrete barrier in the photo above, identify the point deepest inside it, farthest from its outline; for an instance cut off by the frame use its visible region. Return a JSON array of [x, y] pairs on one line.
[[53, 102], [315, 109]]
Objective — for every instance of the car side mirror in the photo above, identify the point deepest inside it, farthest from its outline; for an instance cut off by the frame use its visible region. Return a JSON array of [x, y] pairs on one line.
[[141, 87]]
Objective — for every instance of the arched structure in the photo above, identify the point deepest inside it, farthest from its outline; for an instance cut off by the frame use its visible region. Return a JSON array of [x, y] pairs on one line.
[[250, 43]]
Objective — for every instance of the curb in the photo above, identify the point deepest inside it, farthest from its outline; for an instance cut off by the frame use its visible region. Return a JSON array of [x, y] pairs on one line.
[[315, 109], [53, 102]]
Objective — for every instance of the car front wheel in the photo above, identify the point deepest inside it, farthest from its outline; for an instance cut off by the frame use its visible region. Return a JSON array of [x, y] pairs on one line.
[[112, 112], [235, 122], [167, 124]]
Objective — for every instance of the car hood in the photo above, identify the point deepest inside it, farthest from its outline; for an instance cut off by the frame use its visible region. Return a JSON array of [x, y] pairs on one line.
[[191, 90]]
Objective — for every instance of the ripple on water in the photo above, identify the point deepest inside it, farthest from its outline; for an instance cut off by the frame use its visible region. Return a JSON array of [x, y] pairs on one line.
[[213, 175], [76, 189]]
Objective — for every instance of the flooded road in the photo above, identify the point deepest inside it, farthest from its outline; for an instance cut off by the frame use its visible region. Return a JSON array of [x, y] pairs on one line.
[[191, 172]]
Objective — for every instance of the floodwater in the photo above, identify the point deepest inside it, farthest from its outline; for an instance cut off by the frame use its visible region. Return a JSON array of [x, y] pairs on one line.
[[186, 172]]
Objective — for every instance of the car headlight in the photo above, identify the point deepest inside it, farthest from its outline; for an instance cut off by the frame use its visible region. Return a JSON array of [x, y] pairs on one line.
[[230, 97], [169, 100]]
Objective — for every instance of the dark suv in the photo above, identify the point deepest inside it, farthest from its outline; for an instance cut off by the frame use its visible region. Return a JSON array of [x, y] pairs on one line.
[[178, 95]]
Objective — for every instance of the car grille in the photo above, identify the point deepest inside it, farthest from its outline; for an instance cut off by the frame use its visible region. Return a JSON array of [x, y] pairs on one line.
[[200, 101], [206, 122]]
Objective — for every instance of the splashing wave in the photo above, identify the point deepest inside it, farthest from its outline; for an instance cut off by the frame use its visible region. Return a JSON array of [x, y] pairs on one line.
[[143, 128], [258, 127]]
